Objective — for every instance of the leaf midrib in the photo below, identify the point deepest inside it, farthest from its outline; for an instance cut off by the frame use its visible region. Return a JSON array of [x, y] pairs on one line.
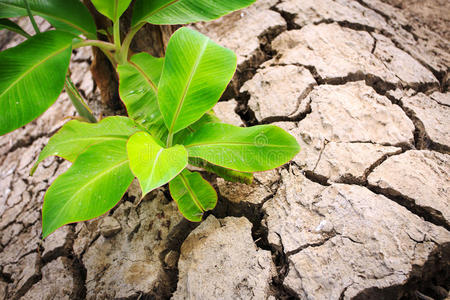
[[116, 6], [54, 17], [186, 88], [160, 151], [191, 192], [53, 54], [147, 78], [236, 143]]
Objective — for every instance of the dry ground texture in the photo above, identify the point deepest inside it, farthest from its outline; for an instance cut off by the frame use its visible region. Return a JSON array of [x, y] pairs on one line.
[[362, 212]]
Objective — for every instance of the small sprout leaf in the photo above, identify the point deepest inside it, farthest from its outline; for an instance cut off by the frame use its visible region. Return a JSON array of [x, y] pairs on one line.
[[193, 195]]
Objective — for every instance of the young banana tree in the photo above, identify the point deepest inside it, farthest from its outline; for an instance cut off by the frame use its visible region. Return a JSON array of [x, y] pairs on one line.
[[169, 124]]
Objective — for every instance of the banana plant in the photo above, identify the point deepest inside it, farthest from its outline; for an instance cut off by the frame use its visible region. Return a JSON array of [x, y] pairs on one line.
[[169, 125]]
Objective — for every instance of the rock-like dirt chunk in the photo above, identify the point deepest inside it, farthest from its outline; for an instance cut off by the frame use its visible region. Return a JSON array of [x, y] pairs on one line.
[[335, 52], [338, 54], [350, 162], [219, 260], [421, 178], [57, 282], [277, 91], [354, 112], [245, 25], [126, 262], [225, 111], [434, 116], [344, 240], [441, 98], [349, 129], [405, 67], [345, 11]]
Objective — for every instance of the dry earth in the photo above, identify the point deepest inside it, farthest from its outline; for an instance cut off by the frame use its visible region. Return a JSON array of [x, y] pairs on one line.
[[362, 212]]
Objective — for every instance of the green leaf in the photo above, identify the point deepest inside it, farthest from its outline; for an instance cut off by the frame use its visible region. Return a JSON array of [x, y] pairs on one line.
[[138, 82], [92, 186], [112, 9], [152, 164], [250, 149], [75, 137], [66, 15], [227, 174], [209, 117], [32, 76], [193, 195], [183, 11], [195, 74], [10, 25]]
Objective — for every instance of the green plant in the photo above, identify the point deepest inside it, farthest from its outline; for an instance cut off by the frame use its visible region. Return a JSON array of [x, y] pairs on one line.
[[169, 101]]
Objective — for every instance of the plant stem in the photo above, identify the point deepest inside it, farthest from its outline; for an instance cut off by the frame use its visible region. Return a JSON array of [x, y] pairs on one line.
[[127, 41], [116, 32], [78, 102], [96, 43], [169, 140], [30, 15], [105, 47]]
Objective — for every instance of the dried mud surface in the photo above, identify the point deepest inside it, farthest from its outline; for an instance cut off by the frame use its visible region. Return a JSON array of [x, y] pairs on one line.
[[362, 212]]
